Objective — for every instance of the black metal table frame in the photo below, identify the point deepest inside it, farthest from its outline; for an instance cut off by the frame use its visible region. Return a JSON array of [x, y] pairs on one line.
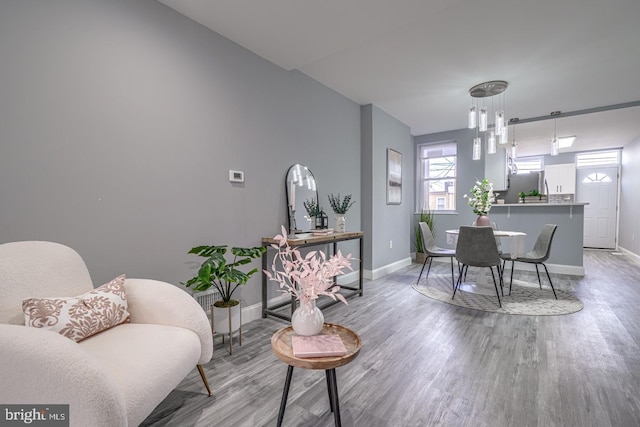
[[333, 238], [332, 388]]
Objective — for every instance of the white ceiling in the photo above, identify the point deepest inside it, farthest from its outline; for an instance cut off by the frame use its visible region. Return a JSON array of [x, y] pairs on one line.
[[417, 59]]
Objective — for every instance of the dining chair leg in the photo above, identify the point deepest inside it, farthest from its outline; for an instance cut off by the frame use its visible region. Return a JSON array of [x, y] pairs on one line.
[[423, 264], [453, 285], [495, 285], [550, 282], [429, 268], [511, 280], [538, 273], [458, 282]]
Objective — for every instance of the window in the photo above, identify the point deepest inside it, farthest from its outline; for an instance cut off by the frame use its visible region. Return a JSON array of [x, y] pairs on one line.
[[594, 178], [528, 164], [598, 158], [436, 177]]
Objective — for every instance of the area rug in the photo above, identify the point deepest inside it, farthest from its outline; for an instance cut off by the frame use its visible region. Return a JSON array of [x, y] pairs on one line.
[[526, 297]]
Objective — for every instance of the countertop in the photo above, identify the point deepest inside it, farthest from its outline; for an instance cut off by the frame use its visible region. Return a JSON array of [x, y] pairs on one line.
[[497, 205]]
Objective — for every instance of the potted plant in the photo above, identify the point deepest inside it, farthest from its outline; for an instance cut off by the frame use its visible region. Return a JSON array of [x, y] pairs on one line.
[[425, 216], [215, 271], [313, 210], [340, 207]]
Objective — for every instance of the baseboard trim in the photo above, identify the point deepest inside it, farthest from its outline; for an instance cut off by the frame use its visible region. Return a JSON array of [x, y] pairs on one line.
[[389, 268], [254, 312], [629, 253]]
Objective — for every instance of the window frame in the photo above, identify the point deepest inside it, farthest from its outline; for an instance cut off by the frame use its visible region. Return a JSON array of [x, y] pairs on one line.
[[421, 180]]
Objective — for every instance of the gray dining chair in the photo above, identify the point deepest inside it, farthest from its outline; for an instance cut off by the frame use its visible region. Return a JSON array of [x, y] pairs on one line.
[[538, 255], [433, 251], [477, 248]]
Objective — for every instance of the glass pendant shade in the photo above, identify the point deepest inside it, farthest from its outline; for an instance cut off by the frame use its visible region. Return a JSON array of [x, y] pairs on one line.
[[472, 117], [477, 148], [491, 143], [499, 122], [483, 119], [513, 151], [504, 136], [554, 146]]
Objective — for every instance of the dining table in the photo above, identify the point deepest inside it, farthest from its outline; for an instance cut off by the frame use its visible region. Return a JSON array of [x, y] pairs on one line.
[[516, 244]]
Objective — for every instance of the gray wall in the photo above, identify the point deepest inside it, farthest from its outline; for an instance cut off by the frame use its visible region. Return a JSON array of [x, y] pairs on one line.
[[381, 222], [119, 121], [629, 235], [468, 172]]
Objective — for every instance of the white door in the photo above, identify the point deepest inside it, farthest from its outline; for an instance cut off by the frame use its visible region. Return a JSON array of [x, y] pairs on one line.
[[598, 186]]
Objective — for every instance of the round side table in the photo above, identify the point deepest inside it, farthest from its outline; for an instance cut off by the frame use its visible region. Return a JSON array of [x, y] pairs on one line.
[[281, 345]]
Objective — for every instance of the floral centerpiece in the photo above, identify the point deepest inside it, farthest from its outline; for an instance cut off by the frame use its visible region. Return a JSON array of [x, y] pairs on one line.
[[306, 277], [481, 198]]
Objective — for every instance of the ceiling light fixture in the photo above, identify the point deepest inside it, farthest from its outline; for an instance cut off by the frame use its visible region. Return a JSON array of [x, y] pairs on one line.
[[554, 141], [479, 115], [513, 144]]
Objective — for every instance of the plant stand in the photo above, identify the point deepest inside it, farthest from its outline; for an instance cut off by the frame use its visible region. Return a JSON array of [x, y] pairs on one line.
[[230, 331]]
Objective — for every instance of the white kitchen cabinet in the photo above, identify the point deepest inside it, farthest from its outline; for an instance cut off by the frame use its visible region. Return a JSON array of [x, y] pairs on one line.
[[561, 179]]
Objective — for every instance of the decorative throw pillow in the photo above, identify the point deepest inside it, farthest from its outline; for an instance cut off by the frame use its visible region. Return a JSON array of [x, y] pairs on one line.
[[80, 317]]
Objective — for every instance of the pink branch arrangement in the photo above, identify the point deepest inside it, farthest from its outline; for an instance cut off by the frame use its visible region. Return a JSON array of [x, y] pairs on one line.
[[306, 277]]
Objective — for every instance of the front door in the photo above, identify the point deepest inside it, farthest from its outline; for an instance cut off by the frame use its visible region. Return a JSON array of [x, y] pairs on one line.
[[598, 186]]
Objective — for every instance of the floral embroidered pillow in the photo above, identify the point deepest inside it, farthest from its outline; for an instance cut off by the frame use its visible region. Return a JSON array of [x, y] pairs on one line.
[[80, 317]]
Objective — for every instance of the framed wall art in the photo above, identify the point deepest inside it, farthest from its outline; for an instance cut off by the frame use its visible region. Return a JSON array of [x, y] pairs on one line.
[[394, 177]]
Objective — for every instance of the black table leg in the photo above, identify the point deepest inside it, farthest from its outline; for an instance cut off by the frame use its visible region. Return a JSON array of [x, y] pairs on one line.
[[329, 389], [334, 396], [285, 394]]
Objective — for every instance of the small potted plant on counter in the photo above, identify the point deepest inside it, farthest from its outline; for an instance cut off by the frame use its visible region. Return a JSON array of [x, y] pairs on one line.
[[340, 207]]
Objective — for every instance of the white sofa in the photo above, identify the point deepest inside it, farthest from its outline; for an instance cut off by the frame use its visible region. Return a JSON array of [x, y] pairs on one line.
[[114, 378]]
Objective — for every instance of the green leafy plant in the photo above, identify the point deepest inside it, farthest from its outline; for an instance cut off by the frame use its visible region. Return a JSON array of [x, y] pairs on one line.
[[340, 206], [216, 271], [428, 217], [312, 207]]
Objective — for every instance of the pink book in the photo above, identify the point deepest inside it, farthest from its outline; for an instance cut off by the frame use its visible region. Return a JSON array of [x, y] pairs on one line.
[[318, 346]]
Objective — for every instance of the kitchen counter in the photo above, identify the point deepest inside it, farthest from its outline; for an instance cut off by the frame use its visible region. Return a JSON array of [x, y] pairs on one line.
[[528, 205]]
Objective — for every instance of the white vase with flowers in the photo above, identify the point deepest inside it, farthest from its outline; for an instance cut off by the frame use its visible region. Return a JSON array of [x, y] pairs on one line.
[[306, 278]]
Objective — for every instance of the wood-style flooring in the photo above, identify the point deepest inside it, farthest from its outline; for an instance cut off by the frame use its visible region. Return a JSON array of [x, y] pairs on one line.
[[427, 363]]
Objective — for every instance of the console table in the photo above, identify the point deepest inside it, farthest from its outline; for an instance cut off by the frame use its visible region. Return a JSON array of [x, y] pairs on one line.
[[310, 240]]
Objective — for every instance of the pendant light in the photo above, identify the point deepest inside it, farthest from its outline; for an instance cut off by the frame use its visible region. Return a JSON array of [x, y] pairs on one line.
[[504, 136], [491, 143], [513, 144], [477, 147], [554, 141], [472, 117], [479, 116]]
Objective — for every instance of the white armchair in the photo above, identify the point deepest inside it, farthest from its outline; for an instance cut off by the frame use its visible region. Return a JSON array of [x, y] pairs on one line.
[[114, 378]]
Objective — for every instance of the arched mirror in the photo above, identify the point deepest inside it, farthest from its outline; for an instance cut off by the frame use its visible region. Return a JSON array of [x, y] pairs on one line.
[[301, 188]]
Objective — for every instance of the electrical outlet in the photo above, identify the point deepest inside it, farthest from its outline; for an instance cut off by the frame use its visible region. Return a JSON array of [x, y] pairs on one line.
[[390, 244]]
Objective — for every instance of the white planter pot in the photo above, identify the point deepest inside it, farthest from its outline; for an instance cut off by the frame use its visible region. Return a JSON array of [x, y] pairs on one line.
[[221, 319]]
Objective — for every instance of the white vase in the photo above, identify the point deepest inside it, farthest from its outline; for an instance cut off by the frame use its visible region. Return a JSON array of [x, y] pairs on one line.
[[340, 224], [307, 319]]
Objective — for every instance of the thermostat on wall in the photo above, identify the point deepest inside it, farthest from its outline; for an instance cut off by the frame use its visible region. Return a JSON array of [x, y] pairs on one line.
[[236, 176]]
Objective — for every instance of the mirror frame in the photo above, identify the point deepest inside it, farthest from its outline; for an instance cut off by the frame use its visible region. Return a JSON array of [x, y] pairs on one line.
[[299, 174]]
